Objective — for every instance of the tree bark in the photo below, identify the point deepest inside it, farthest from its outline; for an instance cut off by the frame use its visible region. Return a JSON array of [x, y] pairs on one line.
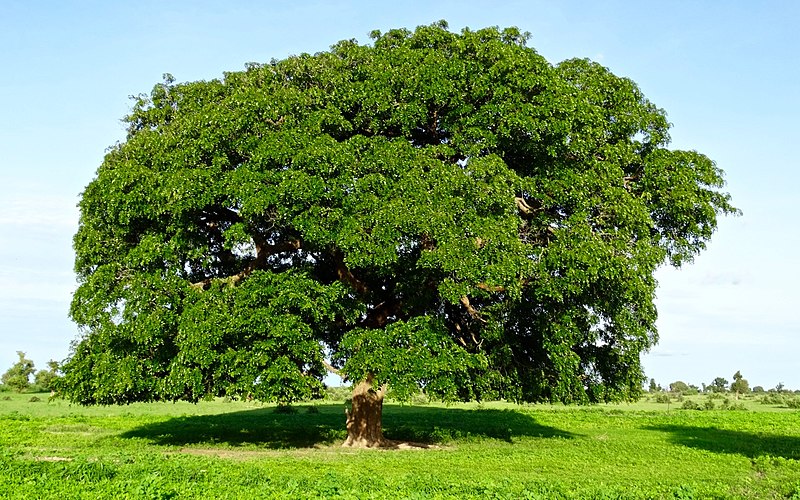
[[365, 416]]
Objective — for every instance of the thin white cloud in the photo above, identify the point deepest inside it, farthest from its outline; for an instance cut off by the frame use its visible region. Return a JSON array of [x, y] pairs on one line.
[[58, 213]]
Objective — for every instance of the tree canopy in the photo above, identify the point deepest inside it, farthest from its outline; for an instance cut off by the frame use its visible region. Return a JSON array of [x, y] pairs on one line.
[[740, 385], [435, 210], [18, 377]]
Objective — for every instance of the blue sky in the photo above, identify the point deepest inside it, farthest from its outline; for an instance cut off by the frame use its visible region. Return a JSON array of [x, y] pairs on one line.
[[726, 72]]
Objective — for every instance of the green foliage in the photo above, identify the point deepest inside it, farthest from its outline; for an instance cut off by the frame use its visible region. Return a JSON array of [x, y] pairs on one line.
[[442, 211], [690, 404], [18, 376], [285, 409], [772, 399], [736, 406], [718, 385], [681, 388], [663, 398], [778, 399], [46, 380], [740, 385], [338, 394]]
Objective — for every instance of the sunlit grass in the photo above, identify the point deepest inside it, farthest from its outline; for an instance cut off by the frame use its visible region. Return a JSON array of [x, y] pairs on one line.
[[247, 450]]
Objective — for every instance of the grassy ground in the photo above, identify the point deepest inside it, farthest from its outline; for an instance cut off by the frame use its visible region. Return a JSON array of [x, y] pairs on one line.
[[496, 450]]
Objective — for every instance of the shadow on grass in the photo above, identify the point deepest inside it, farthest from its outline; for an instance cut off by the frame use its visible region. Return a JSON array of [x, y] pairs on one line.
[[749, 444], [264, 427]]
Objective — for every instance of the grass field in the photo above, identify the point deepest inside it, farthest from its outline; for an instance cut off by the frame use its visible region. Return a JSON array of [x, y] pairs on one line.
[[246, 450]]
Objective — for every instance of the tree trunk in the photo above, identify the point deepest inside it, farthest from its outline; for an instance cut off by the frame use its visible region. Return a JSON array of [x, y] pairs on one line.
[[365, 416]]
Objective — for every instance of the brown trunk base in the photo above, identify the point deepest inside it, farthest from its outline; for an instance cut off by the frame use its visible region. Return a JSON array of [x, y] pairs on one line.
[[364, 418]]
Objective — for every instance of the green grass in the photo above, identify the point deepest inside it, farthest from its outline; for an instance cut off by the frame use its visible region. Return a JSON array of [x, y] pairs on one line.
[[495, 450]]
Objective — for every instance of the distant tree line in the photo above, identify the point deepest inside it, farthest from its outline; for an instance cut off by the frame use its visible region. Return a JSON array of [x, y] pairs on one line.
[[720, 385], [23, 377], [18, 377]]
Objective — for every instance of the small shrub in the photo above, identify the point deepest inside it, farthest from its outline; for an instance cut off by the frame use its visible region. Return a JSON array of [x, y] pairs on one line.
[[285, 409], [793, 403], [690, 405], [6, 398], [312, 409], [34, 399], [772, 399], [663, 398], [420, 399], [708, 404], [337, 394]]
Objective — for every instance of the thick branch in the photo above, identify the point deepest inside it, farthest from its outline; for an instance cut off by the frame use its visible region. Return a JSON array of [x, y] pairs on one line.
[[265, 250], [378, 316], [346, 275], [524, 207]]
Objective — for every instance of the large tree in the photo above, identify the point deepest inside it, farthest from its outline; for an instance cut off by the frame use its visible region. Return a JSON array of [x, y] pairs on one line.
[[434, 210]]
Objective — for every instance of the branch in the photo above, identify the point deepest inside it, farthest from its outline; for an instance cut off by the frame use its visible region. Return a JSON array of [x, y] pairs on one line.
[[478, 344], [628, 179], [378, 316], [426, 242], [263, 252], [524, 207], [275, 123], [382, 391], [490, 288], [471, 310], [346, 275], [331, 368]]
